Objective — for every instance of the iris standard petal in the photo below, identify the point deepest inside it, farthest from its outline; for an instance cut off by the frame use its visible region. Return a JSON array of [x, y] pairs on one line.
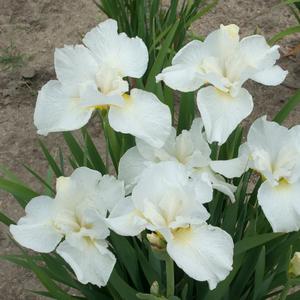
[[127, 55]]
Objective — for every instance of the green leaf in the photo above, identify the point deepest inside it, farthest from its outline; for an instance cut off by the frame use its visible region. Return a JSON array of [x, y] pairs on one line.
[[277, 37], [93, 153], [127, 256], [254, 241], [9, 175], [162, 54], [224, 286], [148, 270], [5, 219], [149, 297], [57, 171], [259, 271], [287, 108], [125, 291], [76, 150], [186, 111], [22, 193], [50, 191]]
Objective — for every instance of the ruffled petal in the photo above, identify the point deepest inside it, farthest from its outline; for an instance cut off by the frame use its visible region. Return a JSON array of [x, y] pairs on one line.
[[56, 110], [36, 230], [281, 205], [125, 219], [118, 51], [271, 76], [131, 167], [91, 264], [203, 252], [75, 65], [143, 116]]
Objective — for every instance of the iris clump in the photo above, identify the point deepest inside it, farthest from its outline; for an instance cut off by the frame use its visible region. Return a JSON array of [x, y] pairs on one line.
[[177, 197]]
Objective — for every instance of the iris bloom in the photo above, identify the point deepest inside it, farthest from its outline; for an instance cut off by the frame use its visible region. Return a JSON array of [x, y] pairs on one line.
[[223, 63], [92, 77], [76, 215], [170, 204], [274, 152], [190, 148]]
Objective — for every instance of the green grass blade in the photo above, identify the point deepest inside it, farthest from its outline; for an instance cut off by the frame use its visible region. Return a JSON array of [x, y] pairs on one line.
[[279, 36], [125, 291], [127, 256], [22, 193], [93, 153], [49, 190], [186, 111], [254, 241], [159, 63], [5, 219], [57, 171], [287, 108]]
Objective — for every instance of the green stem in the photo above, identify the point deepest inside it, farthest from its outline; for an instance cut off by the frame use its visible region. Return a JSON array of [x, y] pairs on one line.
[[285, 291], [170, 277]]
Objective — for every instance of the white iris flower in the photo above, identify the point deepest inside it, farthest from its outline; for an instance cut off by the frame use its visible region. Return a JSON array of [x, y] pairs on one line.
[[274, 152], [92, 77], [224, 63], [190, 149], [169, 203], [77, 215]]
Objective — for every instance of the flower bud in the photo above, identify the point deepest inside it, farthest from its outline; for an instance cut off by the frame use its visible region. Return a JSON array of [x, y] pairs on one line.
[[156, 240], [294, 267], [154, 289]]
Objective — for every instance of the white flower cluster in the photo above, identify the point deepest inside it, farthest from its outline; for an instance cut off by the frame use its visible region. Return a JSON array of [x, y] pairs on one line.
[[165, 180]]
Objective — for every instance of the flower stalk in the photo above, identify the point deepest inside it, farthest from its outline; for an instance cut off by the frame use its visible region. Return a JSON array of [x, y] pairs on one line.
[[170, 276]]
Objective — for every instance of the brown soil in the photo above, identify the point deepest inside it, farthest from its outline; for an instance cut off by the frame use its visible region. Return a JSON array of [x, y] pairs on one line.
[[35, 28]]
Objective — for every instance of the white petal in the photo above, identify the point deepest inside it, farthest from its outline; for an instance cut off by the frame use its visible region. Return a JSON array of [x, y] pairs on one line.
[[87, 188], [125, 219], [118, 51], [166, 192], [156, 180], [82, 184], [271, 76], [92, 97], [223, 42], [143, 116], [281, 205], [75, 64], [199, 138], [131, 166], [232, 167], [36, 231], [93, 265], [56, 110], [154, 154], [181, 78], [268, 136], [221, 113], [112, 192], [191, 54], [219, 183], [185, 74], [257, 53], [204, 252]]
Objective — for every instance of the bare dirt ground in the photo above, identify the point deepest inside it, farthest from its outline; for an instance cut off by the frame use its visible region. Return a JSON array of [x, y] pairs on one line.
[[33, 28]]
